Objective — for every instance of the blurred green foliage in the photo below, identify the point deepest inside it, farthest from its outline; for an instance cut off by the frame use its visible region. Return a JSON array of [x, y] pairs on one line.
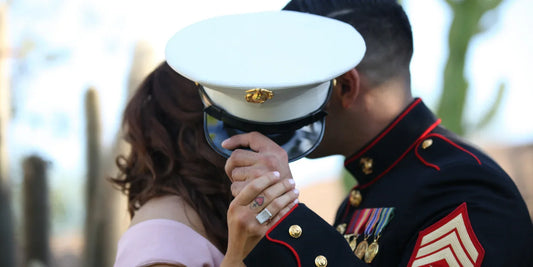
[[348, 180], [467, 15]]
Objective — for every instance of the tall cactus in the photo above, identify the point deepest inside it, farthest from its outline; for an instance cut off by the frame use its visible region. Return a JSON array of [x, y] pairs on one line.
[[465, 25], [36, 212], [95, 246], [7, 248], [107, 208], [143, 62]]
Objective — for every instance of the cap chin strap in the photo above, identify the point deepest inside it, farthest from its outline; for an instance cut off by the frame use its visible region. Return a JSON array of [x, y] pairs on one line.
[[266, 127]]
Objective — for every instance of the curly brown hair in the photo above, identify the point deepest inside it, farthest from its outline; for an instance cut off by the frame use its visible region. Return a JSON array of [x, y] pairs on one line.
[[169, 155]]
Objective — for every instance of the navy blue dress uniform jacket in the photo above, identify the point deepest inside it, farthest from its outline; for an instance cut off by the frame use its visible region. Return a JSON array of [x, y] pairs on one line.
[[453, 206]]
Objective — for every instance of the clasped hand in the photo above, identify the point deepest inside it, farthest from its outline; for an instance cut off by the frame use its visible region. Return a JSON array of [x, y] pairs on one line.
[[263, 188]]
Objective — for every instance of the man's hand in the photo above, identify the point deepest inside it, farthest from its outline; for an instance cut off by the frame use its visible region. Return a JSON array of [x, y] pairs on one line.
[[244, 165]]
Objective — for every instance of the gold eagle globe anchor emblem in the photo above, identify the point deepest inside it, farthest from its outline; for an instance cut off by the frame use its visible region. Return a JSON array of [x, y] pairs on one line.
[[366, 165], [258, 95]]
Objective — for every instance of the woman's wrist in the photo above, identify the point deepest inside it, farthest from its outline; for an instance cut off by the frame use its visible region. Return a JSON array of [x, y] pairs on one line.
[[230, 262]]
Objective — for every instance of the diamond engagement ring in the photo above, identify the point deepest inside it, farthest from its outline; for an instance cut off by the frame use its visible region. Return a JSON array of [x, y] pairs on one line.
[[263, 216]]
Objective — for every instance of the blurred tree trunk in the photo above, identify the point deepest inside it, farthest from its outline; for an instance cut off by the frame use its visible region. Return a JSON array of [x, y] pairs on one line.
[[107, 216], [465, 25], [36, 212], [143, 63], [96, 221], [7, 240]]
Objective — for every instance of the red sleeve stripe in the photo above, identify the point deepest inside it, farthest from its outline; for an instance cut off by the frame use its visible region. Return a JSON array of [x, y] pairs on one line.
[[282, 242]]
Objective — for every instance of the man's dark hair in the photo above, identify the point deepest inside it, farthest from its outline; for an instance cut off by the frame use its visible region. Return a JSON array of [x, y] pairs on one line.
[[382, 23]]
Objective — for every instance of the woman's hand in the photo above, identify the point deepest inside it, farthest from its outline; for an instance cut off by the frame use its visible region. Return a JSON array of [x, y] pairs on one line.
[[268, 192]]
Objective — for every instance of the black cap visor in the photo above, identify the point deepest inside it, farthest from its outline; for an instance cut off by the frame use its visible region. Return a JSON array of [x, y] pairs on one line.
[[297, 137], [297, 143]]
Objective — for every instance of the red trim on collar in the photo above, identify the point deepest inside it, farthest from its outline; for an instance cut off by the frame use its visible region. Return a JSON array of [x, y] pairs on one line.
[[426, 132], [385, 132], [282, 242]]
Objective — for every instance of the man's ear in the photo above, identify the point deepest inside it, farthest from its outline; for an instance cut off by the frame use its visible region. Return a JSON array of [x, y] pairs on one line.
[[350, 85]]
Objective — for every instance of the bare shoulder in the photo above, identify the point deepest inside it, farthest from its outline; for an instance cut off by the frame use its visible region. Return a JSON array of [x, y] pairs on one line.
[[166, 265], [169, 207]]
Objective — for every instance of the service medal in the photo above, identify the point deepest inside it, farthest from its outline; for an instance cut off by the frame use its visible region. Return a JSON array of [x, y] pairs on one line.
[[369, 228], [359, 219], [353, 243], [384, 219], [371, 252], [361, 249]]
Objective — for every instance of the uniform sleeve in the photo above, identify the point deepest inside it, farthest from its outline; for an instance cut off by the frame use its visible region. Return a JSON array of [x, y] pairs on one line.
[[165, 241], [478, 219], [302, 238]]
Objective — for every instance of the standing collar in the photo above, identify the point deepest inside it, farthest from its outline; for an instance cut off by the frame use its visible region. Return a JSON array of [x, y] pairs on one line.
[[382, 153]]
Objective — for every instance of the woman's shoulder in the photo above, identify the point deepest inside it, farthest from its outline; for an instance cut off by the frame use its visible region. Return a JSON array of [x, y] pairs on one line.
[[162, 232], [169, 207]]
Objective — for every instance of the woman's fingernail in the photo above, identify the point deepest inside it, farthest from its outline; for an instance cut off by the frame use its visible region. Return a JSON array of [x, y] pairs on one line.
[[291, 181], [296, 191], [224, 142], [276, 173], [296, 201]]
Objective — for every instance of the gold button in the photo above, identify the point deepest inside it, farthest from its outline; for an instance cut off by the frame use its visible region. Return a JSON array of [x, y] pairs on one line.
[[295, 231], [366, 165], [321, 261], [355, 198], [427, 143]]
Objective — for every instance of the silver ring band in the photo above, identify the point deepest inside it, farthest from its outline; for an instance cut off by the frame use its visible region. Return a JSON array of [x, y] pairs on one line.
[[263, 216]]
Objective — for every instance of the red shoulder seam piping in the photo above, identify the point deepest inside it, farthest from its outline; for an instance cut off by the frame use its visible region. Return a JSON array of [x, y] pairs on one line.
[[422, 159], [456, 145]]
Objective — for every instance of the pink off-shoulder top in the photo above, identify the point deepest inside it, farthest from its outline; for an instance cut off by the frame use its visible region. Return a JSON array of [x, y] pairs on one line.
[[165, 241]]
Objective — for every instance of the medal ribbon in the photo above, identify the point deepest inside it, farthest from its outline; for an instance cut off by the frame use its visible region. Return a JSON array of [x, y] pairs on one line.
[[386, 216], [360, 220], [355, 217], [373, 221]]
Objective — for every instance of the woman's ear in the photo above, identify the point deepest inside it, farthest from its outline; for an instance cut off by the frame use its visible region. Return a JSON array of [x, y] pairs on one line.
[[348, 87]]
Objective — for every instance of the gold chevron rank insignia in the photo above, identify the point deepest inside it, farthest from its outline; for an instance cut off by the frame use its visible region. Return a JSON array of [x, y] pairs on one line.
[[449, 242]]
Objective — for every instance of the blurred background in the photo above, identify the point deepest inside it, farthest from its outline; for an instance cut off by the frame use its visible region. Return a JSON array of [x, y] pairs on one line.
[[68, 67]]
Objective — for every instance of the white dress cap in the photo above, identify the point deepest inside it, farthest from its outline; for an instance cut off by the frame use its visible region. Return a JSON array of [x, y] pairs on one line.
[[266, 67]]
